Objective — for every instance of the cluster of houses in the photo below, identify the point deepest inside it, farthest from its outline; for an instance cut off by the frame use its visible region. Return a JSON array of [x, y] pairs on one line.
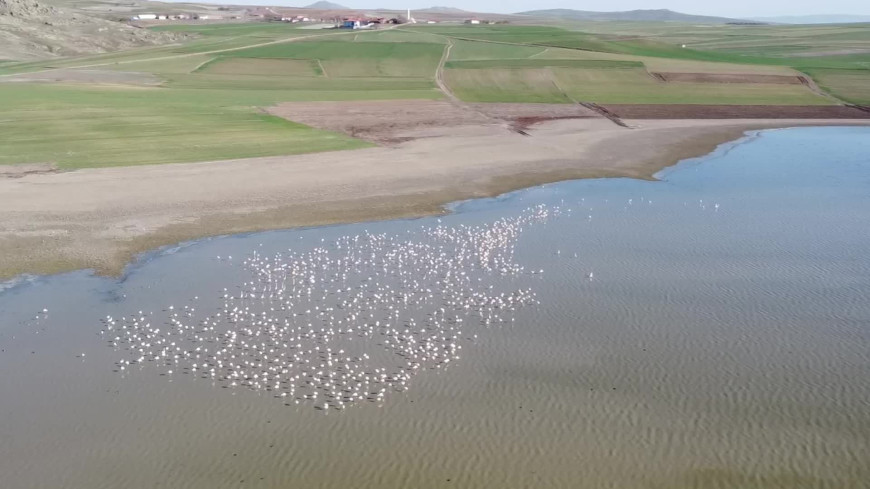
[[179, 17], [373, 22], [478, 21], [269, 14], [296, 18]]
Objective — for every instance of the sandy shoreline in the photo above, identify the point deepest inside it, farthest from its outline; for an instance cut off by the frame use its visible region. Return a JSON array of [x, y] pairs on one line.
[[102, 218]]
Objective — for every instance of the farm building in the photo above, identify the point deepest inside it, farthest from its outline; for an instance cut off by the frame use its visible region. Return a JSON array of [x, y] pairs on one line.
[[358, 23]]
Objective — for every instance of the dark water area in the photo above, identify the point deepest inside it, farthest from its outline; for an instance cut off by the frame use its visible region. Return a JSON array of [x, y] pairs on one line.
[[709, 330]]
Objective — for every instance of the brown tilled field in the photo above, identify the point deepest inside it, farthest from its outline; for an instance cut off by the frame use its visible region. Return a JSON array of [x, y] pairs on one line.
[[386, 122], [729, 78], [510, 112], [627, 111], [378, 121]]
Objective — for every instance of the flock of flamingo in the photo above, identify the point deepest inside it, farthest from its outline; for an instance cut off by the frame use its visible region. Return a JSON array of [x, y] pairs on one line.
[[346, 322]]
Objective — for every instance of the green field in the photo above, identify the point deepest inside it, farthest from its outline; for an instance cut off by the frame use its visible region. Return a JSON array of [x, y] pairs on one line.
[[851, 85], [544, 52], [78, 127], [261, 67], [213, 88], [613, 85], [542, 63]]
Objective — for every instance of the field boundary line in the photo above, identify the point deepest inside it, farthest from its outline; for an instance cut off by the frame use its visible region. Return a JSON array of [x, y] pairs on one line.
[[442, 85], [561, 90], [203, 64], [538, 54], [322, 68], [808, 81], [184, 55]]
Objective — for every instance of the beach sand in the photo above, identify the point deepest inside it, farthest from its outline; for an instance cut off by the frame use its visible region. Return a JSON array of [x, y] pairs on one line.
[[52, 222]]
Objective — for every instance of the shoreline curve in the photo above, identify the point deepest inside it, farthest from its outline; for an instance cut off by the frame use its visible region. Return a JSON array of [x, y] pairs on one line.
[[101, 219]]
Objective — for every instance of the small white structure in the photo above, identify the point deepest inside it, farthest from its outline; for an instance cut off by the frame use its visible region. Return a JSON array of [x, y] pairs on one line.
[[473, 21], [409, 19], [144, 17]]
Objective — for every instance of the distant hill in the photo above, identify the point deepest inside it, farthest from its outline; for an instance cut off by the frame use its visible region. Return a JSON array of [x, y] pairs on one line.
[[324, 5], [816, 19], [631, 15], [442, 10]]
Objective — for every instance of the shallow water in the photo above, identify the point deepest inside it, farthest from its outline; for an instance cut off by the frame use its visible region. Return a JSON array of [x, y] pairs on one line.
[[722, 341]]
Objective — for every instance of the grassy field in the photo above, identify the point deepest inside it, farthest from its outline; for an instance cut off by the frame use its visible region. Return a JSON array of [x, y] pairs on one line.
[[784, 50], [613, 85], [79, 127], [261, 66], [851, 85], [209, 105], [212, 88], [541, 63]]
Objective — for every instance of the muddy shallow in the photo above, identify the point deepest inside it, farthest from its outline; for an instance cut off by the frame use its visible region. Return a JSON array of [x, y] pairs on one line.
[[722, 341]]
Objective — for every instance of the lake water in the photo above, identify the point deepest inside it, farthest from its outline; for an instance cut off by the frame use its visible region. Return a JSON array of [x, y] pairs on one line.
[[710, 330]]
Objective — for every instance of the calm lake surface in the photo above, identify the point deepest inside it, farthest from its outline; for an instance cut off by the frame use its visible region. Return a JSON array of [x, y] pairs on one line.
[[710, 330]]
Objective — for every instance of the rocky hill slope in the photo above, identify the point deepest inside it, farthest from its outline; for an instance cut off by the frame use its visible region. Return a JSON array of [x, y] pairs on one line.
[[31, 29]]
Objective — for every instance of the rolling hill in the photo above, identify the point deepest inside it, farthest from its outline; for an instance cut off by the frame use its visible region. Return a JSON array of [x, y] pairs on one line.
[[816, 19], [659, 15], [324, 5]]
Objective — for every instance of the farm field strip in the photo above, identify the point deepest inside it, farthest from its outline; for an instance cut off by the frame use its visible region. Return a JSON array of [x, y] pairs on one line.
[[121, 58], [212, 91], [76, 127], [654, 55], [558, 84]]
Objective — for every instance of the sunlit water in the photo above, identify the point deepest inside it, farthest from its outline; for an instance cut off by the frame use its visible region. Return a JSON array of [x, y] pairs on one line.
[[708, 330]]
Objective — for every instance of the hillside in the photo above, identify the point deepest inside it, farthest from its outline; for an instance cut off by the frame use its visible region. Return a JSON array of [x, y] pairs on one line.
[[660, 15], [324, 5], [33, 30], [442, 10], [816, 19]]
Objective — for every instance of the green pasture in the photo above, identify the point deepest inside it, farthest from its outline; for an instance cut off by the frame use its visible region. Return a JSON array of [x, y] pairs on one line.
[[541, 63], [261, 66], [668, 43], [81, 126], [214, 86], [563, 84], [850, 85], [470, 50], [708, 49]]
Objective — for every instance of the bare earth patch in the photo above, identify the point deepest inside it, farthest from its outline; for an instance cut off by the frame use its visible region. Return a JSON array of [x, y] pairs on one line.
[[512, 112], [729, 78], [378, 121], [629, 111], [399, 121], [19, 171]]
